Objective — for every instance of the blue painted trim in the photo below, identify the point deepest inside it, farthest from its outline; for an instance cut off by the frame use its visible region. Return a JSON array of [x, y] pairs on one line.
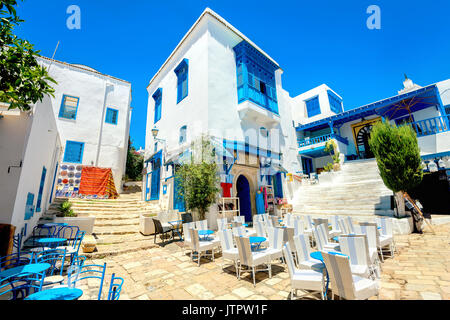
[[81, 154], [332, 95], [311, 112], [109, 115], [41, 189], [157, 97], [435, 155], [364, 111], [62, 107], [53, 184], [184, 65]]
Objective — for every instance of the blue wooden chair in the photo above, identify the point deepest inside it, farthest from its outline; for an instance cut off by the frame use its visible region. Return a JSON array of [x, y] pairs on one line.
[[73, 246], [93, 271], [115, 287], [22, 285], [56, 258], [68, 232]]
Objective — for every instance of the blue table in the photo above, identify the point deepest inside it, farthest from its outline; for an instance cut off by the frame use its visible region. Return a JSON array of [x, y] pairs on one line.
[[318, 256], [245, 224], [54, 224], [50, 242], [256, 241], [63, 293], [205, 233], [28, 268]]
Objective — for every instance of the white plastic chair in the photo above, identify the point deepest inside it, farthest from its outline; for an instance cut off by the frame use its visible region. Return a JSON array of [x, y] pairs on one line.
[[309, 281], [222, 223], [252, 259], [275, 242], [320, 235], [371, 232], [288, 220], [201, 224], [355, 247], [344, 283], [343, 226], [303, 254], [187, 234], [240, 219], [261, 232], [335, 228], [350, 224], [229, 252], [299, 227], [201, 247], [386, 236], [309, 225]]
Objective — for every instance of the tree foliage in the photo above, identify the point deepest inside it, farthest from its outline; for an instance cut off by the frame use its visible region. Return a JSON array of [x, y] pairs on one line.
[[198, 180], [23, 82], [398, 157], [135, 163]]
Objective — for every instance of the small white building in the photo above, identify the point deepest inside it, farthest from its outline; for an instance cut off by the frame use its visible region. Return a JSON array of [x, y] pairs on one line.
[[93, 113], [30, 149]]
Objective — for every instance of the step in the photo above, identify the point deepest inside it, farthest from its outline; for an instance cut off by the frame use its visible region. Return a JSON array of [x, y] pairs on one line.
[[117, 230]]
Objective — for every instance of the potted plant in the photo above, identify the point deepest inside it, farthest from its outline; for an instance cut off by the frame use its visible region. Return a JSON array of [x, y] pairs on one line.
[[331, 148], [67, 215]]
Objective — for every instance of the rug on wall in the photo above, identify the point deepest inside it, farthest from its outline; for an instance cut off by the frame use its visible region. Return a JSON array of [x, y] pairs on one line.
[[97, 181]]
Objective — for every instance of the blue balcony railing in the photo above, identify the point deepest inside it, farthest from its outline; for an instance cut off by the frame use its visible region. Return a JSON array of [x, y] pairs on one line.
[[324, 138], [254, 95], [430, 126]]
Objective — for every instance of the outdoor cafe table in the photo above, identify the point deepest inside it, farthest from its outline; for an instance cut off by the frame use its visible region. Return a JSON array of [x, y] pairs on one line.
[[27, 268], [50, 242], [256, 242], [62, 293], [205, 233], [176, 224]]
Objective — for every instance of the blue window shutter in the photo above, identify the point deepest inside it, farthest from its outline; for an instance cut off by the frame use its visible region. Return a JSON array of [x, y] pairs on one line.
[[74, 152], [29, 208], [111, 115], [69, 107], [182, 71], [157, 96], [41, 190], [313, 107]]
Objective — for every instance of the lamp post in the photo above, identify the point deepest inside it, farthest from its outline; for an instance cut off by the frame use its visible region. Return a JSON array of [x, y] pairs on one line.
[[155, 132]]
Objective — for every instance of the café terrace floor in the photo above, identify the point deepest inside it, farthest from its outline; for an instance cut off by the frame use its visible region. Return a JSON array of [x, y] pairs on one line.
[[420, 270]]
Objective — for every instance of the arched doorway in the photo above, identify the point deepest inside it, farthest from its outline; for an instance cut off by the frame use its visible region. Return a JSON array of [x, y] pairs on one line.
[[362, 141], [243, 193]]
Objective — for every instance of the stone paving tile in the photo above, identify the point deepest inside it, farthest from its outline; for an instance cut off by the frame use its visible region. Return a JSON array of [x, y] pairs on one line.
[[419, 270]]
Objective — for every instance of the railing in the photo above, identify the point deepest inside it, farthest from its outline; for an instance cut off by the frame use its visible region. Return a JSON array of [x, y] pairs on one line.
[[430, 126], [257, 97], [326, 137]]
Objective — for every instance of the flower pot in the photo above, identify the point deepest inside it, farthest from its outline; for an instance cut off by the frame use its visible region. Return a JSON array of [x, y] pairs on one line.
[[146, 225]]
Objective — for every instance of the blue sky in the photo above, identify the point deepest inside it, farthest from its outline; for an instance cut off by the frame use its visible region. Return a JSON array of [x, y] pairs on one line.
[[314, 42]]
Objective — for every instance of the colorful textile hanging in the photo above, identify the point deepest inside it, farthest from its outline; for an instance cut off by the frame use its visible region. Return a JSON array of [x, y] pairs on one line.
[[97, 181], [226, 189]]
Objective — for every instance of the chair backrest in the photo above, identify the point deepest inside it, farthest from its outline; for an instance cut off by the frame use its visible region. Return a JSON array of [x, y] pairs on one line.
[[186, 217], [334, 223], [244, 249], [93, 271], [288, 220], [265, 216], [290, 232], [299, 227], [76, 242], [355, 246], [318, 221], [226, 239], [302, 248], [54, 257], [309, 222], [236, 224], [68, 232], [269, 223], [320, 236], [115, 287], [343, 226], [257, 218], [350, 224], [275, 221], [20, 285], [275, 237], [194, 239], [201, 224], [240, 219], [158, 225], [222, 223], [340, 275], [239, 231], [371, 232], [387, 228], [15, 260], [287, 253], [186, 227], [260, 229]]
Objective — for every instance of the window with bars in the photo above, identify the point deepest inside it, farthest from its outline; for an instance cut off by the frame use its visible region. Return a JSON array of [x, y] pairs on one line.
[[74, 152], [182, 72], [111, 115], [69, 107], [313, 107]]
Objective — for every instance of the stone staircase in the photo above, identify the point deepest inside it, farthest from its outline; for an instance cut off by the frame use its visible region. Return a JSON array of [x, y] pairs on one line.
[[116, 228], [356, 190]]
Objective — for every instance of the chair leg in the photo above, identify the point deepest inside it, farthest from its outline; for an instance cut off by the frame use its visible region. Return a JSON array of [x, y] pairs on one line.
[[381, 253], [253, 272], [270, 270]]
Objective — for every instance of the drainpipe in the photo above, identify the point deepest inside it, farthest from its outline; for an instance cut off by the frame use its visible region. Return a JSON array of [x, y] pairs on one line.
[[102, 120]]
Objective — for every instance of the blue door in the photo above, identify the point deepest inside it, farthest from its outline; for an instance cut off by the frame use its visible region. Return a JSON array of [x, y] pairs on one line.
[[307, 165], [156, 181], [243, 193], [41, 190], [278, 185], [178, 200]]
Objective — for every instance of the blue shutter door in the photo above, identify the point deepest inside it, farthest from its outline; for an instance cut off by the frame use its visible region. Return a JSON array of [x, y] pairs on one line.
[[178, 201], [41, 190], [156, 170]]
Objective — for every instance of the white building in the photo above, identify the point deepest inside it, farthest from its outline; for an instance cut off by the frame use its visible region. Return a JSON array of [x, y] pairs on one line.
[[93, 114], [30, 148]]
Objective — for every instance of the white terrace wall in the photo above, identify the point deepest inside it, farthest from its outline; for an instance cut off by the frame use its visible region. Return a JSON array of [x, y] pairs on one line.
[[105, 144], [42, 149]]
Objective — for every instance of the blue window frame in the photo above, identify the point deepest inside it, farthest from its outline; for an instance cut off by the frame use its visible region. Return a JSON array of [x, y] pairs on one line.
[[29, 207], [182, 72], [74, 152], [335, 102], [41, 190], [69, 107], [111, 115], [313, 107], [157, 96], [183, 131]]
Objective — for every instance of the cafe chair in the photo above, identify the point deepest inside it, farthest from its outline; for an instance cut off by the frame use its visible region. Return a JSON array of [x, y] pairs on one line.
[[162, 230], [115, 287], [355, 246], [275, 248], [200, 247], [303, 251], [56, 258], [229, 251]]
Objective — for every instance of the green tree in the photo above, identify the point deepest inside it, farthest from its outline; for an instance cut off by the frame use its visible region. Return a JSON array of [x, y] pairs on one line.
[[23, 82], [135, 163], [198, 180], [398, 157]]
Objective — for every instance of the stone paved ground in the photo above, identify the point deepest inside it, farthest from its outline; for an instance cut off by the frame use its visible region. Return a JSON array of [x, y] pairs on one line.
[[420, 270]]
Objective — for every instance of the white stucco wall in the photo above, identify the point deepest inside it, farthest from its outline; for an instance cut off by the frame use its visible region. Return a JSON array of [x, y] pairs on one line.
[[42, 148], [105, 145]]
